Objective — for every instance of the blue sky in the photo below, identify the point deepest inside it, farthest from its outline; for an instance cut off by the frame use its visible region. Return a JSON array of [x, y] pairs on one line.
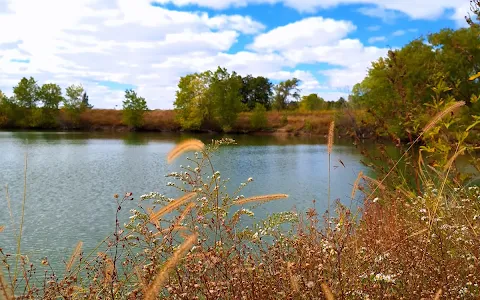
[[111, 45]]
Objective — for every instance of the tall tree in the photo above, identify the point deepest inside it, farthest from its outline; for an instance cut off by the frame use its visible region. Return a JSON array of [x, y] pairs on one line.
[[192, 102], [458, 56], [134, 108], [26, 93], [51, 95], [256, 90], [225, 93], [85, 102], [74, 97], [285, 90]]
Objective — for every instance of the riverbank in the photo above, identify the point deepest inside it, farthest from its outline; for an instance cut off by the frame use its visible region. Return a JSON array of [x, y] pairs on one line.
[[277, 123]]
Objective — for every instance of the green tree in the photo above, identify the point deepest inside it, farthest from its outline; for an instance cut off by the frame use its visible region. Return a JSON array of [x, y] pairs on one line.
[[74, 97], [312, 102], [50, 94], [256, 90], [285, 90], [458, 56], [224, 91], [85, 102], [134, 108], [192, 103], [73, 103], [258, 119], [26, 93]]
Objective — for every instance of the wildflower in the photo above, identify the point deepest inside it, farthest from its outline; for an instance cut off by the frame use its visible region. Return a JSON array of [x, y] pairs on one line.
[[115, 196], [375, 200], [250, 179], [310, 284]]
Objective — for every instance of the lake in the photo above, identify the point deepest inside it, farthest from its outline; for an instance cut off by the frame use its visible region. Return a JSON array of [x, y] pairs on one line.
[[72, 177]]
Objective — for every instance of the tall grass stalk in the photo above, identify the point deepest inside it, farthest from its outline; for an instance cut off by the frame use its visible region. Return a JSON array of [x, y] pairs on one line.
[[22, 218], [331, 132]]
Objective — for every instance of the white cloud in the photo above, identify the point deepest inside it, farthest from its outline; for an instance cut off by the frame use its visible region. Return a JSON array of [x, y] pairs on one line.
[[425, 9], [375, 39], [399, 33], [387, 16], [304, 33], [131, 42], [90, 41]]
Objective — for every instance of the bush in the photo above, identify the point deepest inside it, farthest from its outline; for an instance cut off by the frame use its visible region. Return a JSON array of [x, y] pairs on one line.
[[258, 119]]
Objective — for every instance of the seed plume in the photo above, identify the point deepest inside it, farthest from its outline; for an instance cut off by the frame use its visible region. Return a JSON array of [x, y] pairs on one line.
[[154, 216], [355, 184], [75, 255], [264, 198], [187, 145], [328, 293], [155, 286], [331, 130], [442, 114]]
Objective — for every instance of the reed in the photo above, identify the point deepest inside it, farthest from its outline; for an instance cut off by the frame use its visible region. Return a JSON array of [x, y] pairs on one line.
[[355, 184], [452, 159], [76, 254], [442, 114], [331, 132], [264, 198], [185, 146], [327, 292], [154, 216], [154, 288]]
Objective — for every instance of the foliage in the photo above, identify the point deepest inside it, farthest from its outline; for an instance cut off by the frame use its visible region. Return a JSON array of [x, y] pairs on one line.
[[399, 89], [285, 90], [85, 101], [50, 94], [26, 93], [312, 102], [258, 119], [192, 103], [134, 108], [256, 90], [73, 103], [224, 91]]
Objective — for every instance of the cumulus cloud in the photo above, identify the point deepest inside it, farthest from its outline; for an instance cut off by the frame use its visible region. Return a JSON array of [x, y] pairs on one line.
[[304, 33], [95, 41], [99, 43], [425, 9]]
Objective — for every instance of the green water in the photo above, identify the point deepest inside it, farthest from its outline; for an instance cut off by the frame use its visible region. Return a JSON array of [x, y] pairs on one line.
[[72, 177]]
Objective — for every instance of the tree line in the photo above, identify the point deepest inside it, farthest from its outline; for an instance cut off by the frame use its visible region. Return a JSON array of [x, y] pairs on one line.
[[217, 97], [34, 106]]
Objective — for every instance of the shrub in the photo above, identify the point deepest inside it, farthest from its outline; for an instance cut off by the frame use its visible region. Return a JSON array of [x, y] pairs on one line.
[[258, 119]]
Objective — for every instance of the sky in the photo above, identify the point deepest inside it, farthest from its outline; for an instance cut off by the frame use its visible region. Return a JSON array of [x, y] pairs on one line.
[[112, 45]]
